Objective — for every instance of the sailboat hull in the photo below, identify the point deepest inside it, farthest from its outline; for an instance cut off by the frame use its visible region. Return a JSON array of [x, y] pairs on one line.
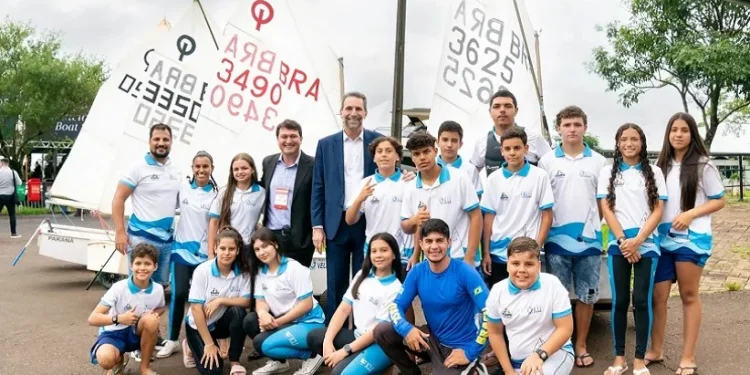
[[68, 243]]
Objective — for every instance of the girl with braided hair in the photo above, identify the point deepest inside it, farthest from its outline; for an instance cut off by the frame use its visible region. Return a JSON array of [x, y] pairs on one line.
[[631, 194]]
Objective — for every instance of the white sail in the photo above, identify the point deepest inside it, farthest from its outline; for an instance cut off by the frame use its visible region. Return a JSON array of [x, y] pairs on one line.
[[274, 64], [483, 51], [162, 80]]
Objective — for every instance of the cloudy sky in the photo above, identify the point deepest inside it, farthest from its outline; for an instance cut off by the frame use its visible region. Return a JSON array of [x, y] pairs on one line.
[[363, 32]]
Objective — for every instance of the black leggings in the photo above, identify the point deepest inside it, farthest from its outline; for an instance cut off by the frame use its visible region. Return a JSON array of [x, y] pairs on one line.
[[180, 283], [9, 202], [228, 326], [643, 290]]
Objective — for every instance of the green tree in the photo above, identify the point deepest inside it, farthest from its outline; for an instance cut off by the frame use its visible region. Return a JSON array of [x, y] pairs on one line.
[[39, 86], [591, 140], [700, 48]]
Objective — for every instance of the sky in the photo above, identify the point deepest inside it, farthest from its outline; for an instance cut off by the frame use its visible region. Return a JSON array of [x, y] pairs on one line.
[[363, 33]]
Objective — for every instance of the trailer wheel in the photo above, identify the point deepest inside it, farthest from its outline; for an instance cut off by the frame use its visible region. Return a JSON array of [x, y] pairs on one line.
[[108, 279]]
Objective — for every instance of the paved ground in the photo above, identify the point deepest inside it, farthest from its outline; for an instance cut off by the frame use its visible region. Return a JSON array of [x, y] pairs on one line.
[[44, 308]]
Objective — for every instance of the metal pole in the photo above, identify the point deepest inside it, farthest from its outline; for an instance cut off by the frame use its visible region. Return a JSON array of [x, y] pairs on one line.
[[545, 127], [742, 180], [341, 78], [398, 71]]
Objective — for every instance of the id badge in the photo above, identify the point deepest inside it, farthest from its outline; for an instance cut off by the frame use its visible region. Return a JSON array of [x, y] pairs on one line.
[[281, 198]]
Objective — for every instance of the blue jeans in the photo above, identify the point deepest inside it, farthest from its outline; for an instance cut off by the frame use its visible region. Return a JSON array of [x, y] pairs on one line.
[[161, 275], [581, 271]]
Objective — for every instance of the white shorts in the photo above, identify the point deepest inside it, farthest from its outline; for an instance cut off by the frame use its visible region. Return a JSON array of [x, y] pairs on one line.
[[559, 363]]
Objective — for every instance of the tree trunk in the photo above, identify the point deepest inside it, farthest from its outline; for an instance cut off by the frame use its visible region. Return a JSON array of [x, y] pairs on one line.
[[713, 118]]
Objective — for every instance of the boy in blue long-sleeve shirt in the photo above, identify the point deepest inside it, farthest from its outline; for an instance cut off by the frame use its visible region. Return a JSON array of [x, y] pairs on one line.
[[452, 294]]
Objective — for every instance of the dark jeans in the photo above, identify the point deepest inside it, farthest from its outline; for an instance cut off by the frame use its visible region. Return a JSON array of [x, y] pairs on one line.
[[643, 288], [180, 282], [499, 273], [343, 255], [345, 336], [228, 326], [9, 202], [302, 255]]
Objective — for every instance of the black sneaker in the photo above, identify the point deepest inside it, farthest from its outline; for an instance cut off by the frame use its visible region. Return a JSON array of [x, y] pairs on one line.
[[160, 342]]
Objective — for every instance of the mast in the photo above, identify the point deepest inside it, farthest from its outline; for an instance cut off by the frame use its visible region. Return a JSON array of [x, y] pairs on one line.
[[208, 24], [341, 78], [398, 72]]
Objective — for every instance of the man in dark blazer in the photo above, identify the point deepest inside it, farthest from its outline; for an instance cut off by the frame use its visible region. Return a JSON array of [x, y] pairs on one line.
[[342, 160], [287, 178]]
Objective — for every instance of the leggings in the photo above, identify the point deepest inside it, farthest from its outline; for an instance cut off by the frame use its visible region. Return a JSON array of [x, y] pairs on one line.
[[286, 342], [643, 290], [229, 325], [371, 360], [180, 275]]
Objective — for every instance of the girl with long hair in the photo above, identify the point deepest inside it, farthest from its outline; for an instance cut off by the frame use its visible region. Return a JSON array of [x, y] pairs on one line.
[[373, 289], [631, 194], [695, 192], [190, 247], [219, 296], [285, 309], [239, 203]]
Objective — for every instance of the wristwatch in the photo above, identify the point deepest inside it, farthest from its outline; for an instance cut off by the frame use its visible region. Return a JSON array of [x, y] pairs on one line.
[[620, 240], [114, 319], [542, 354], [348, 349]]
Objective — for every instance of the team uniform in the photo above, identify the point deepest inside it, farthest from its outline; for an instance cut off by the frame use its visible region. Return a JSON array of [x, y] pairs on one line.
[[574, 245], [517, 200], [528, 316], [451, 316], [631, 211], [226, 322], [154, 200], [487, 152], [282, 290], [468, 168], [190, 247], [382, 211], [122, 297], [369, 308], [245, 209], [450, 199], [693, 244]]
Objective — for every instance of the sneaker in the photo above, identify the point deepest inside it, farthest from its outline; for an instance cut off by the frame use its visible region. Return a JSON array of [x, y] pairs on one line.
[[272, 367], [187, 355], [160, 342], [136, 355], [170, 347], [15, 235], [309, 366]]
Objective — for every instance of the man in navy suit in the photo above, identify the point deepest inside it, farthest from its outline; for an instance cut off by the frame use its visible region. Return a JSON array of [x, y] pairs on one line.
[[342, 160]]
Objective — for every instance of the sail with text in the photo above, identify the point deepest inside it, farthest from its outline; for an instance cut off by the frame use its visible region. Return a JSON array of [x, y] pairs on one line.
[[274, 64], [484, 51], [163, 80]]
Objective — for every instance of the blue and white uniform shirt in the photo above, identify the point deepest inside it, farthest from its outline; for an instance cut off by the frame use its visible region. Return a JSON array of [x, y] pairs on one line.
[[631, 204], [246, 208], [382, 210], [529, 314], [370, 307], [517, 200], [191, 236], [124, 295], [698, 238], [282, 290], [450, 199], [576, 227], [154, 198], [209, 284], [470, 169]]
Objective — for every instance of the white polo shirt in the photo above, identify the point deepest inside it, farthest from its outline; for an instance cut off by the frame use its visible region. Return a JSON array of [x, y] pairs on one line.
[[382, 210], [191, 236], [576, 227], [371, 305], [538, 147], [282, 290], [698, 238], [631, 204], [450, 199], [208, 284], [468, 168], [246, 208], [517, 201], [125, 295], [154, 198], [528, 314]]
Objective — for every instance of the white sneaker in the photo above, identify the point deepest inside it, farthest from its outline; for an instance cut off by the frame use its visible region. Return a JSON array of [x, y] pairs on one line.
[[309, 366], [170, 347], [272, 367], [136, 355], [15, 236]]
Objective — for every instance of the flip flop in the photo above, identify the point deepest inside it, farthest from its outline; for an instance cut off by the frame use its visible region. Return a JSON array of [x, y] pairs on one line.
[[680, 369], [649, 362], [617, 370], [238, 370], [643, 371], [583, 363], [120, 369]]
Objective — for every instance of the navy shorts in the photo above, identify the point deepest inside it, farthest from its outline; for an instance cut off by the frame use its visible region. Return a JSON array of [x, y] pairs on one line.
[[125, 340], [666, 269]]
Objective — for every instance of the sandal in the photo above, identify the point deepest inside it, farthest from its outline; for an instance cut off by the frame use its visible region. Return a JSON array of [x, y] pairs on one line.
[[119, 369], [649, 362], [237, 370], [643, 371], [583, 363], [617, 370], [680, 369]]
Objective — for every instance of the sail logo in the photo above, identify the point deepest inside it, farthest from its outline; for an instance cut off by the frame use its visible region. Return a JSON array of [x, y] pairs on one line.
[[560, 174]]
